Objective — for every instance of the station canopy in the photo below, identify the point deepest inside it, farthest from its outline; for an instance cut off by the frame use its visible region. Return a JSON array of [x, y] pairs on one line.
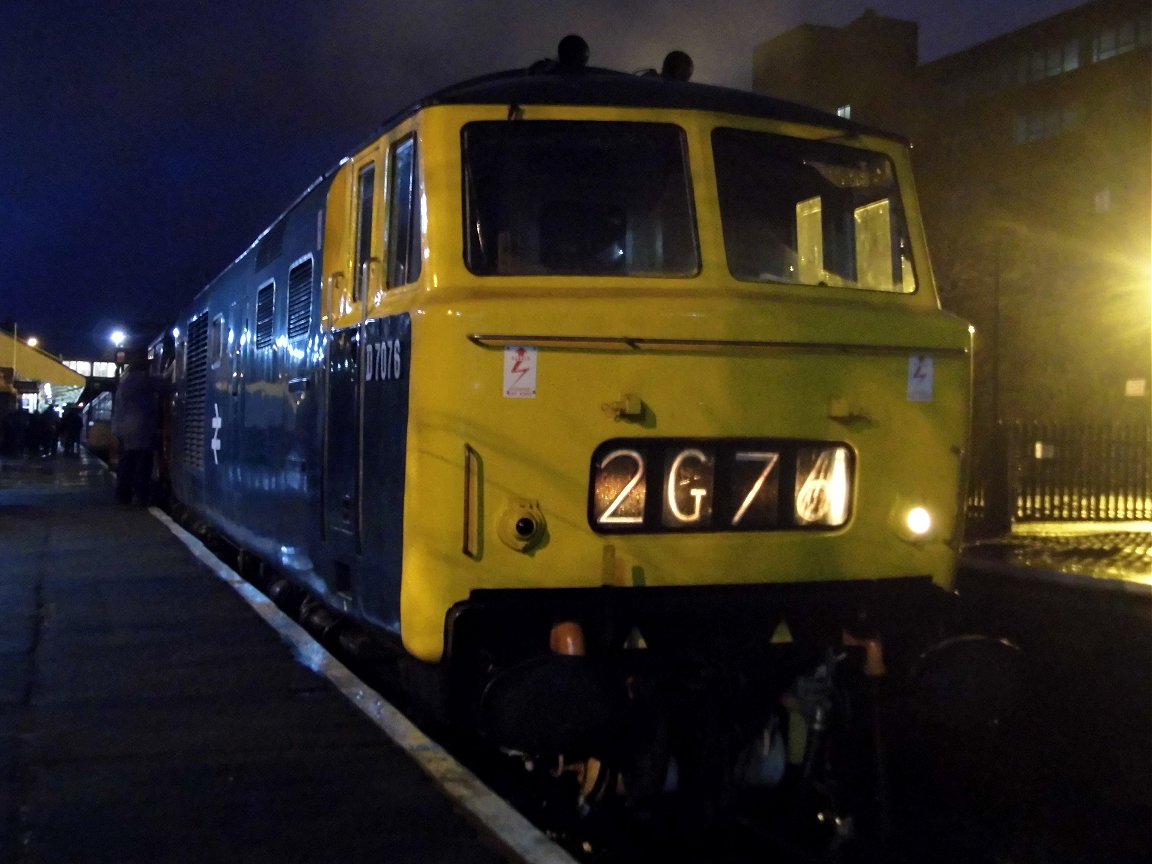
[[20, 362]]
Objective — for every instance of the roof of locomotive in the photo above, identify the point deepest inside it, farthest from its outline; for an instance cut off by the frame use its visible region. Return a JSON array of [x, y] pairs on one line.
[[550, 82], [602, 87], [543, 84]]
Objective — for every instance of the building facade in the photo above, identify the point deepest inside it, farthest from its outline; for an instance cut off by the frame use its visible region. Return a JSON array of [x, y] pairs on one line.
[[1033, 156]]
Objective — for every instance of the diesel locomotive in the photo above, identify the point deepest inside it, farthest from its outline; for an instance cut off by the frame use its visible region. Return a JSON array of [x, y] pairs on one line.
[[622, 407]]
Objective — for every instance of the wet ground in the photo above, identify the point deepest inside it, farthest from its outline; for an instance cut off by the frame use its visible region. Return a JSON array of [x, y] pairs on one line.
[[149, 715], [1119, 553], [1066, 779], [1075, 783]]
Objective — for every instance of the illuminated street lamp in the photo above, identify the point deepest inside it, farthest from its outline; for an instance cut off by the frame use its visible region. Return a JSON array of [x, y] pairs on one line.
[[117, 337], [32, 341]]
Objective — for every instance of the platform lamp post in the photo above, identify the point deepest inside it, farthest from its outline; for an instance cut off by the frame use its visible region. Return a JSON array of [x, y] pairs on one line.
[[12, 382], [118, 337], [1000, 495]]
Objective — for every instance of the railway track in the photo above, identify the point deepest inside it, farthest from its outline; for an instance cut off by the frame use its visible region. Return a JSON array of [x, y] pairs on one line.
[[1026, 794]]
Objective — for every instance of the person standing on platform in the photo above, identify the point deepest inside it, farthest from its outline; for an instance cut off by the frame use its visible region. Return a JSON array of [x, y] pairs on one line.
[[16, 426], [135, 423], [42, 433], [71, 425]]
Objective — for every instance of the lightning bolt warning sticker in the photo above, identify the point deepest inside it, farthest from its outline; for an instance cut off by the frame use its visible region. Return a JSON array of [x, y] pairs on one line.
[[921, 378], [519, 372]]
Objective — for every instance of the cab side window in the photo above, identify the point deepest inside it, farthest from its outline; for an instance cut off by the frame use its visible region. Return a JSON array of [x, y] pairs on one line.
[[404, 218], [365, 193]]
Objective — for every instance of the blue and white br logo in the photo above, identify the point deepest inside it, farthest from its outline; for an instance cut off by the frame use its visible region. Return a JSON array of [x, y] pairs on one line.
[[217, 423]]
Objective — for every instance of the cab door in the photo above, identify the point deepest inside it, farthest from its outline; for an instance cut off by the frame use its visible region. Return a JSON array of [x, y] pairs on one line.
[[352, 275], [342, 445]]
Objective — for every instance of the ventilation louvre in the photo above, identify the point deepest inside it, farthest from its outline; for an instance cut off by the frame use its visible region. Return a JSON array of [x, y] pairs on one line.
[[196, 390], [300, 299]]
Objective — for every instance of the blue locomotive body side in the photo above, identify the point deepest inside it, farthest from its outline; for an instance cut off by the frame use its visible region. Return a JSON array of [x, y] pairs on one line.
[[266, 420]]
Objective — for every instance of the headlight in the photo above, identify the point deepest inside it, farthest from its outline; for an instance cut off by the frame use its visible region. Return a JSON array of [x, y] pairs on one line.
[[919, 521], [913, 522]]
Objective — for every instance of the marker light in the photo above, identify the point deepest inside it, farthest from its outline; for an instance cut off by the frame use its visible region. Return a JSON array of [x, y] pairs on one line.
[[919, 521]]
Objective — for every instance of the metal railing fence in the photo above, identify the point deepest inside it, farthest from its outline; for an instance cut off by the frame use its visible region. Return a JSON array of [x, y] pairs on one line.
[[1039, 471]]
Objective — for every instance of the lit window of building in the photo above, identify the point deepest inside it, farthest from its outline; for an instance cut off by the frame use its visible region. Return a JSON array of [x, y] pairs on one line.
[[1044, 124], [1112, 41]]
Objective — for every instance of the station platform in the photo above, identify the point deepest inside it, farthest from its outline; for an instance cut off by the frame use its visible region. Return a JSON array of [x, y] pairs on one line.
[[1094, 556], [149, 713]]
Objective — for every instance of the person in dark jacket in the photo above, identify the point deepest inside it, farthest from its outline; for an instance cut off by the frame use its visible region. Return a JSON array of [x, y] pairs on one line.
[[71, 425], [135, 422], [16, 426], [42, 433]]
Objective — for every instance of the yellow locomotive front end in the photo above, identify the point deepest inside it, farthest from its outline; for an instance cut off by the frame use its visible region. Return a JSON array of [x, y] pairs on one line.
[[661, 426], [668, 349]]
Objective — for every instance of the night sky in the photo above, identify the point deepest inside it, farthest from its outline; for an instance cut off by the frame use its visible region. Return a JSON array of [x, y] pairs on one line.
[[145, 143]]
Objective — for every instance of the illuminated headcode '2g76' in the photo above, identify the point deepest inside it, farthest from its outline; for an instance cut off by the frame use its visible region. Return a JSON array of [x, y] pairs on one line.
[[654, 485]]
